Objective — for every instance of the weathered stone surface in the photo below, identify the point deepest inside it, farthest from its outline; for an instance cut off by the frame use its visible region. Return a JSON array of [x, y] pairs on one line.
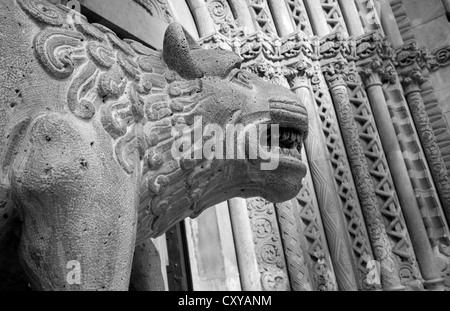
[[420, 12], [87, 120], [211, 248], [433, 33]]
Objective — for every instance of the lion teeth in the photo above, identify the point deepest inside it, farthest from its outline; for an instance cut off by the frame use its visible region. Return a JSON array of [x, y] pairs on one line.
[[295, 152], [287, 137]]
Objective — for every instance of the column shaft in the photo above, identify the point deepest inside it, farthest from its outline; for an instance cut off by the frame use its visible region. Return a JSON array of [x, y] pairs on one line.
[[317, 18], [364, 185], [282, 18], [430, 146], [404, 189], [327, 197], [389, 24], [242, 14], [291, 235], [182, 15], [245, 247], [352, 19], [203, 20]]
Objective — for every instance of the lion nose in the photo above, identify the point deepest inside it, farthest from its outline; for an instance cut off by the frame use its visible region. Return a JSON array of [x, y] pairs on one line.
[[291, 103]]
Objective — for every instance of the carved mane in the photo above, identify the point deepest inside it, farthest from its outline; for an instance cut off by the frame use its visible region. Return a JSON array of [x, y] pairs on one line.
[[141, 97]]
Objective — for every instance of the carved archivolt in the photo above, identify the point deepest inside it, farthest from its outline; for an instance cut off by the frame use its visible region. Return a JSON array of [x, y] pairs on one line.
[[158, 8], [277, 60]]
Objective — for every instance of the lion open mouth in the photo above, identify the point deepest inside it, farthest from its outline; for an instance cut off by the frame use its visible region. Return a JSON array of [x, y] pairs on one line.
[[290, 142]]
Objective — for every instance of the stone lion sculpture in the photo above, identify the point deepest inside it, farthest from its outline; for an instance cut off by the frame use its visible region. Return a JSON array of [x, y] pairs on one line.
[[86, 129]]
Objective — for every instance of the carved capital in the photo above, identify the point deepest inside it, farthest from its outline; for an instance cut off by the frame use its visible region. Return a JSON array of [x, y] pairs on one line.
[[373, 45], [376, 72], [371, 71], [300, 73], [298, 44], [411, 55], [336, 44], [336, 73], [411, 80], [390, 74]]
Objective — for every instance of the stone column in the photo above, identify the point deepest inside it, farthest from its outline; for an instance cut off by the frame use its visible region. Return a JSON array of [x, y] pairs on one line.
[[377, 232], [317, 18], [245, 247], [291, 235], [242, 14], [205, 24], [389, 24], [367, 11], [281, 17], [352, 18], [268, 245], [327, 196], [405, 192], [312, 235], [212, 253], [411, 84]]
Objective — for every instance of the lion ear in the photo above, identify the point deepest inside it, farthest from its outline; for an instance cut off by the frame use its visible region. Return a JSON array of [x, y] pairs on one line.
[[178, 44]]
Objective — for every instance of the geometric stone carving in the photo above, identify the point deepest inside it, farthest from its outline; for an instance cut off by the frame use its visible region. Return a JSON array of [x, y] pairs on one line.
[[319, 261], [382, 180], [351, 209], [273, 59], [335, 74], [300, 16], [406, 58], [371, 74], [419, 173], [330, 205], [333, 15], [288, 219], [261, 14], [411, 81]]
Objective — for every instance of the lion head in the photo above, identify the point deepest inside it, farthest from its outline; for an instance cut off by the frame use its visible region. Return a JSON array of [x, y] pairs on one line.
[[148, 101], [208, 94]]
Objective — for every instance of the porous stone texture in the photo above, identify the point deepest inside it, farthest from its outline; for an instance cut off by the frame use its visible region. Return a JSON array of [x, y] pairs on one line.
[[87, 125], [146, 273]]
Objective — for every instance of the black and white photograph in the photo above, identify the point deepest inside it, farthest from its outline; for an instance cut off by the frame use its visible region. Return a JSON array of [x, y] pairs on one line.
[[225, 150]]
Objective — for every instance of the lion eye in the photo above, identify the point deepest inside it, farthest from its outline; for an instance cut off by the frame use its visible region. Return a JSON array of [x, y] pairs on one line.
[[243, 79]]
